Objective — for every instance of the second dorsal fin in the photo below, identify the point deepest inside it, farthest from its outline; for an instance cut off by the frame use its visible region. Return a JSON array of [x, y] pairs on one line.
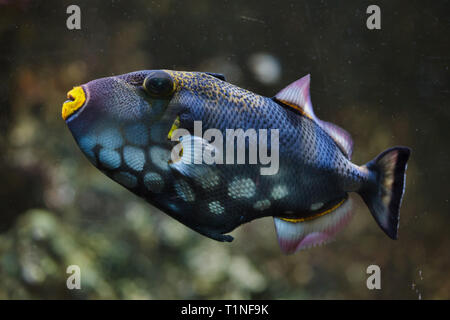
[[296, 96], [342, 138], [217, 75]]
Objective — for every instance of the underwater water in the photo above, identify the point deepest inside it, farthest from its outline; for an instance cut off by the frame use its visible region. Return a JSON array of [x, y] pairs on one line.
[[386, 87]]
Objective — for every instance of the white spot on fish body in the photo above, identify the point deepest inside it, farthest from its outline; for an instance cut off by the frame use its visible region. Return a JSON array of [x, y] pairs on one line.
[[109, 158], [153, 182], [316, 206], [216, 208], [110, 138], [241, 188], [134, 157], [87, 144], [210, 180], [279, 192], [160, 157], [184, 191], [262, 205]]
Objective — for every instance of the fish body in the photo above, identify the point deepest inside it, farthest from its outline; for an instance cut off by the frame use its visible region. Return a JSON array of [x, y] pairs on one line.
[[152, 131]]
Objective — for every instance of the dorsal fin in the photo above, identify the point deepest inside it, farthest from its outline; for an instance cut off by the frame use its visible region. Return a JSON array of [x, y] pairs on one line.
[[217, 75], [342, 138], [296, 95]]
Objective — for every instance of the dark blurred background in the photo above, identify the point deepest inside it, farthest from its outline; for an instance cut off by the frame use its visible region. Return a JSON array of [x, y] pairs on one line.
[[386, 87]]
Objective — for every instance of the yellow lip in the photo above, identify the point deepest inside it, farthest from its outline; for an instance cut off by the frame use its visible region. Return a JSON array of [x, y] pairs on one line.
[[77, 97]]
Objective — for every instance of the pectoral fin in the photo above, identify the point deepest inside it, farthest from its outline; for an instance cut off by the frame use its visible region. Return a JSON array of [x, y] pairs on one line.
[[191, 163]]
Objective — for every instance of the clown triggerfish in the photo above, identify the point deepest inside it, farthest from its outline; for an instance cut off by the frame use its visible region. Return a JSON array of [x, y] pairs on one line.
[[214, 156]]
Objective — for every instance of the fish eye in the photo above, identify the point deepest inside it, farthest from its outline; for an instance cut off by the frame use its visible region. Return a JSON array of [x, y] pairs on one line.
[[159, 84]]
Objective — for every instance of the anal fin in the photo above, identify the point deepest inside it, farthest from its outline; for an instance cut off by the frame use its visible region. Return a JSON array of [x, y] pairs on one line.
[[296, 236]]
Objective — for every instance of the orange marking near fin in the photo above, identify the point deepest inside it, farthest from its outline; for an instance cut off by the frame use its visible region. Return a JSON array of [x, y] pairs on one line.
[[298, 108], [316, 215]]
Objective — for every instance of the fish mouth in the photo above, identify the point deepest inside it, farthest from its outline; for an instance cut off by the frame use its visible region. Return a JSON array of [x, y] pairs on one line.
[[76, 98]]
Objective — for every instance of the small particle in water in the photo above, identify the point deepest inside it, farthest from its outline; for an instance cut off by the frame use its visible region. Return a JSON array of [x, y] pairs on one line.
[[251, 19], [265, 67]]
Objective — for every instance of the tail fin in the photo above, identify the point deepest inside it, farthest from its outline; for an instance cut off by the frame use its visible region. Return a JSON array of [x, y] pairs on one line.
[[384, 194]]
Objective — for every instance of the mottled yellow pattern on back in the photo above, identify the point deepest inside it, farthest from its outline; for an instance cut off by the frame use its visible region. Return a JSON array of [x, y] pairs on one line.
[[215, 89]]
